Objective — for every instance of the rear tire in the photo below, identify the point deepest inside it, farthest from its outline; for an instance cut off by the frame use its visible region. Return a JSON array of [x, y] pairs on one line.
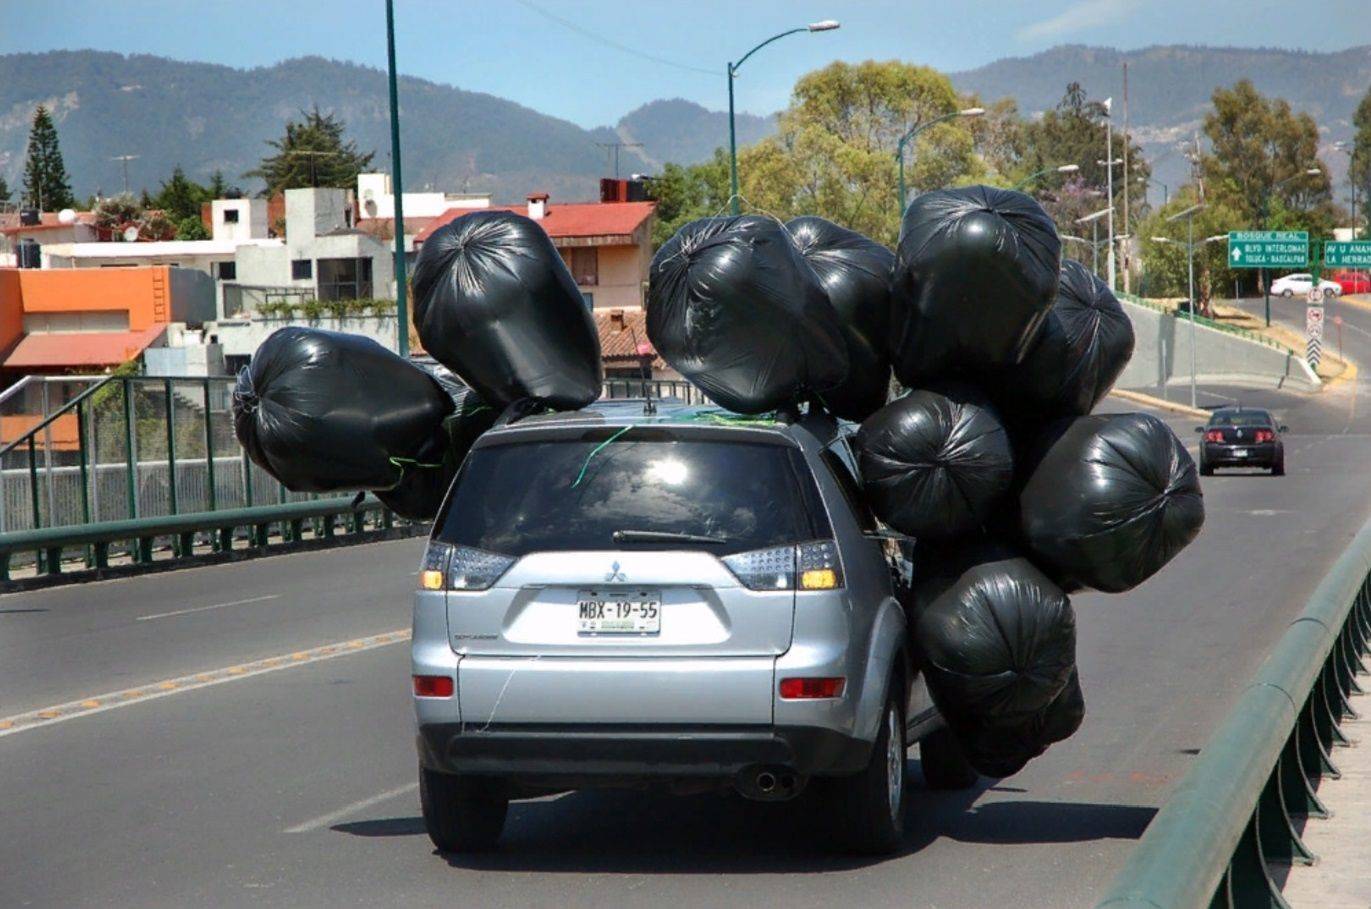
[[869, 805], [943, 762], [1206, 470], [462, 813], [1287, 293], [1278, 468]]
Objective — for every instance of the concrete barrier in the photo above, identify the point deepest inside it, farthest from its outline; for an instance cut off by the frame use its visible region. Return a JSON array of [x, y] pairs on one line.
[[1161, 356]]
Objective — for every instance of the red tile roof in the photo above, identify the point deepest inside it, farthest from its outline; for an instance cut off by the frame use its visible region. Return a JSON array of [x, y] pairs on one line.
[[65, 349], [47, 221], [623, 336], [568, 219]]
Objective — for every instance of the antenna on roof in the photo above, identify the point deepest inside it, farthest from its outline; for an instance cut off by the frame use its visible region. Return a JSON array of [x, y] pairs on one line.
[[649, 408]]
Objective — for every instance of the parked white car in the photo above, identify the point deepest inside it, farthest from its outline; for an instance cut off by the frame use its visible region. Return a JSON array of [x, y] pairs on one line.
[[1301, 284]]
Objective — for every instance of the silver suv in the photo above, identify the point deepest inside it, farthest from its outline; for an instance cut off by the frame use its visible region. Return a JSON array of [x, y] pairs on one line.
[[680, 597]]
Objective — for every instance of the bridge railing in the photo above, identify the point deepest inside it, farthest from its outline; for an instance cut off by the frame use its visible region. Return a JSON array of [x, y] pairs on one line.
[[1205, 321], [1240, 808]]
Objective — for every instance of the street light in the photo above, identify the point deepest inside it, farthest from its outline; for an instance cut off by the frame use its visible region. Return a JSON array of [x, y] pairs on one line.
[[1093, 220], [825, 25], [1265, 216], [397, 190], [910, 136], [1060, 169], [1109, 177], [1189, 216]]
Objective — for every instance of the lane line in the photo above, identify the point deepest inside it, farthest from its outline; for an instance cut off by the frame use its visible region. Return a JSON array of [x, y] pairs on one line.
[[325, 820], [99, 703], [163, 615]]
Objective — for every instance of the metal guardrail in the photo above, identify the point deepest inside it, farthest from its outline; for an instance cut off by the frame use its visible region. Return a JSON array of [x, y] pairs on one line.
[[1236, 811], [1205, 321], [96, 539]]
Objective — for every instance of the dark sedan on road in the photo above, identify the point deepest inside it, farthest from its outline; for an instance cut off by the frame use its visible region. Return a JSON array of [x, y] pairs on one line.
[[1242, 437]]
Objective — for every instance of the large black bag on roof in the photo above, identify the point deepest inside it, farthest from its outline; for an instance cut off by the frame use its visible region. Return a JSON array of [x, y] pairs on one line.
[[935, 462], [425, 482], [495, 303], [998, 644], [855, 273], [734, 307], [975, 273], [1084, 345], [1000, 748], [324, 411], [1111, 498]]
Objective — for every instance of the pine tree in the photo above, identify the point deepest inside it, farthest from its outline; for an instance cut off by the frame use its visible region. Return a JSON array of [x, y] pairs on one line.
[[180, 197], [4, 190], [312, 153], [46, 184]]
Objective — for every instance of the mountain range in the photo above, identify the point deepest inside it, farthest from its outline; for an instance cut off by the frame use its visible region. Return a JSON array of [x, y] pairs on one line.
[[208, 117]]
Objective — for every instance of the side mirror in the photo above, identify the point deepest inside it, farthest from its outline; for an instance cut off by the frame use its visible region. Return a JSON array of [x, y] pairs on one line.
[[1284, 429]]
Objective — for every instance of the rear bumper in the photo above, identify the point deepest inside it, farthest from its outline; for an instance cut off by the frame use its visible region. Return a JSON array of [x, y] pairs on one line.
[[1221, 455], [590, 752]]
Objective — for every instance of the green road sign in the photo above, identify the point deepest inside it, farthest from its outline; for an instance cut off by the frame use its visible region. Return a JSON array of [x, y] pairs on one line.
[[1347, 254], [1268, 248]]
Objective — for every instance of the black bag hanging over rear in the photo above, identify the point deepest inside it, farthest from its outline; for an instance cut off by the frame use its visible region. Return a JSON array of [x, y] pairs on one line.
[[975, 273], [324, 411], [495, 303], [428, 475], [1111, 498], [1000, 748], [734, 307], [998, 644], [1084, 345], [935, 462], [855, 273]]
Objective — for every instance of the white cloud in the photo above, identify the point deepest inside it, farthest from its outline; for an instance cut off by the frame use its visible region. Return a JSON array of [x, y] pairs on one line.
[[1078, 17]]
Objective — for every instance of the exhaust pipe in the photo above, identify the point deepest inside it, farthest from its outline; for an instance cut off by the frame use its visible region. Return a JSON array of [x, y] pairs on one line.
[[766, 782], [770, 784]]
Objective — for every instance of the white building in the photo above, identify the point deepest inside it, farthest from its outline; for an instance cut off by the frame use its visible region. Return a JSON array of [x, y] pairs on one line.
[[375, 199]]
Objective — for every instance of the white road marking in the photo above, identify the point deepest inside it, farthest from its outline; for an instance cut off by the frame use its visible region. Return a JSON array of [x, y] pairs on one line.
[[325, 820], [164, 615], [99, 703]]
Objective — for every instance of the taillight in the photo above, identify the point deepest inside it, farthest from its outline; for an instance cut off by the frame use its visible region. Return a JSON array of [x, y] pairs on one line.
[[811, 688], [1213, 435], [433, 686], [448, 567], [809, 566], [1265, 435]]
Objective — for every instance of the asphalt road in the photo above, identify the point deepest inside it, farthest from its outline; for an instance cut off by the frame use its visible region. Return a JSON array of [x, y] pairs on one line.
[[295, 787]]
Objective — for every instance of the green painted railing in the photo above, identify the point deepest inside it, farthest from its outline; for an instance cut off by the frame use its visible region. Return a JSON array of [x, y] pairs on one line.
[[1238, 809], [1205, 321], [95, 540]]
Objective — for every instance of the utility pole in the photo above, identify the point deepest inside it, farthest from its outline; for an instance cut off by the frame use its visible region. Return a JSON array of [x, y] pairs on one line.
[[612, 150], [397, 184], [125, 159], [1109, 179], [1127, 175]]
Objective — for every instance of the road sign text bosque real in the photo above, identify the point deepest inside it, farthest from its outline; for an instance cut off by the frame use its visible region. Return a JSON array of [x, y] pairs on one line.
[[1268, 248]]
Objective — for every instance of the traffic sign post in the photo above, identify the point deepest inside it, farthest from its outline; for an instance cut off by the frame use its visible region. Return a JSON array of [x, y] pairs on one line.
[[1268, 249], [1313, 329]]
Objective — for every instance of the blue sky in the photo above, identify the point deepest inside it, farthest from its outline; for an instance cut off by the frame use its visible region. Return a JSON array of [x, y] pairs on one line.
[[519, 50]]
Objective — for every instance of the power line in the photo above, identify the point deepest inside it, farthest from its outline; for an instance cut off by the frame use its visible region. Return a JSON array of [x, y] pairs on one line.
[[586, 33]]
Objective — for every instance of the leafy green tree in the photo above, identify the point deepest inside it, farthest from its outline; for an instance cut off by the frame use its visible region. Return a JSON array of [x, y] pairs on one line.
[[1166, 265], [46, 184], [1360, 171], [312, 153], [686, 193], [191, 228], [218, 187], [4, 190], [180, 197]]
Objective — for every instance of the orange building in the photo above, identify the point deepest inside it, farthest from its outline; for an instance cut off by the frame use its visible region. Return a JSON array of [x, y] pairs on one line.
[[88, 320]]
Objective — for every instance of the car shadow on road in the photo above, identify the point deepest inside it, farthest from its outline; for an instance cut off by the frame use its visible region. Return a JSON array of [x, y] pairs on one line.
[[613, 831]]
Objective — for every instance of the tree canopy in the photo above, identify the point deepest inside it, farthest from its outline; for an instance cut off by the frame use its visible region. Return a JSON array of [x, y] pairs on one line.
[[1360, 171], [312, 153], [46, 184]]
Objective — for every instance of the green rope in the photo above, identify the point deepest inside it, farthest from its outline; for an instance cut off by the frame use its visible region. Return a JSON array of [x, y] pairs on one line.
[[725, 419], [410, 462], [596, 450]]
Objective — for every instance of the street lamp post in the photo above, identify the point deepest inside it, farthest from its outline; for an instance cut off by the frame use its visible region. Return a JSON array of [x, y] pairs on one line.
[[1109, 179], [1093, 219], [398, 191], [827, 25], [1265, 216], [1060, 169], [910, 136], [1189, 216]]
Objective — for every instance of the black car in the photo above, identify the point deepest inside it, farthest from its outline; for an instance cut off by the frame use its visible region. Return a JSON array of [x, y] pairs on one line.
[[1242, 437]]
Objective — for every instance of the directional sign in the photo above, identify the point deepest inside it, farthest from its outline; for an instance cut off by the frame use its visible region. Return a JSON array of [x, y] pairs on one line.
[[1347, 254], [1268, 248]]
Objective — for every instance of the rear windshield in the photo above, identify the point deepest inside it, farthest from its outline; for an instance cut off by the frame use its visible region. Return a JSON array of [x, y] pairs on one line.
[[1256, 418], [574, 495]]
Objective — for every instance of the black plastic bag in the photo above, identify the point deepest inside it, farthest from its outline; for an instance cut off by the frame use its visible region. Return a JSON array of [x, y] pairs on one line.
[[999, 644], [425, 481], [934, 463], [1001, 748], [324, 411], [495, 303], [1084, 345], [975, 274], [855, 273], [1111, 498], [734, 307]]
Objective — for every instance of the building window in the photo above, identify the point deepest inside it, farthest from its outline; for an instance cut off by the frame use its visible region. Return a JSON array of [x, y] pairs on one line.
[[589, 298], [584, 263], [230, 216], [344, 279], [226, 271], [300, 269]]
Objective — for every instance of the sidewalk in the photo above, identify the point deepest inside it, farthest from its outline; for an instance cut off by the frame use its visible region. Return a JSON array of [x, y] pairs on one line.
[[1341, 878]]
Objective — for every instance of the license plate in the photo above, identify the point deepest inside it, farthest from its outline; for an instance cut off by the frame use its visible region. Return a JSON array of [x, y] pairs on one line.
[[636, 613], [1240, 452]]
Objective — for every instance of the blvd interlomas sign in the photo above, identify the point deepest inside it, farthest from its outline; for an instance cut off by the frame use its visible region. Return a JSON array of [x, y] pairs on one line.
[[1268, 248]]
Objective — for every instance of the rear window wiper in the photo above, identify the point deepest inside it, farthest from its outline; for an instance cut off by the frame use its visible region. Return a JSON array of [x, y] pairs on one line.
[[663, 536]]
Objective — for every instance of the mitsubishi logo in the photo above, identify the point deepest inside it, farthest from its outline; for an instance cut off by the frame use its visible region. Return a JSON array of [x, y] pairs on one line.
[[615, 574]]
